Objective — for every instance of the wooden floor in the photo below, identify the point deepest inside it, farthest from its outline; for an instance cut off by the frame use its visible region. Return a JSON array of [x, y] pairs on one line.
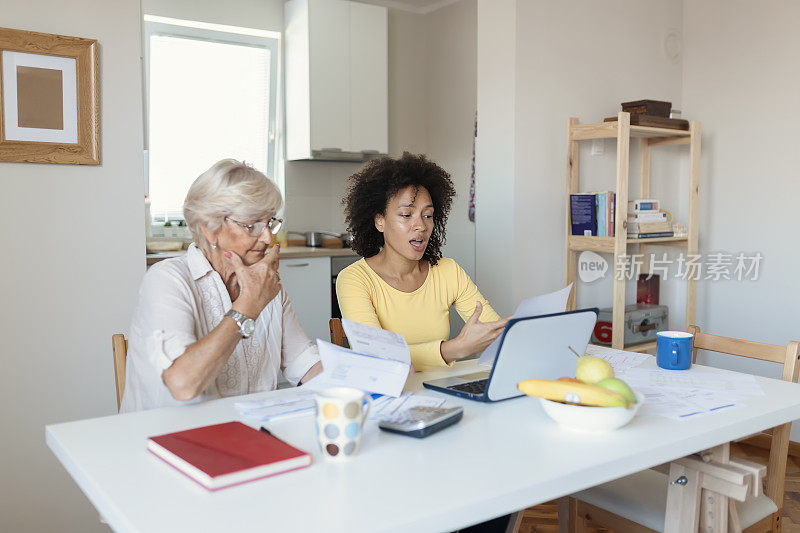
[[544, 518]]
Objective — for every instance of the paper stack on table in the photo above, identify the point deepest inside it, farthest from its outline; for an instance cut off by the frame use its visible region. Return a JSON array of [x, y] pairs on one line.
[[298, 402], [679, 394], [619, 360], [686, 394], [546, 304], [379, 361], [387, 407]]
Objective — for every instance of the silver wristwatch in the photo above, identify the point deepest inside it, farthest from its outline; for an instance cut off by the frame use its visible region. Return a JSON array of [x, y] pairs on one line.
[[246, 324]]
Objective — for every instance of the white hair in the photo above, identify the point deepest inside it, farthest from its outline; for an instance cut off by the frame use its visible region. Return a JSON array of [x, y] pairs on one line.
[[229, 188]]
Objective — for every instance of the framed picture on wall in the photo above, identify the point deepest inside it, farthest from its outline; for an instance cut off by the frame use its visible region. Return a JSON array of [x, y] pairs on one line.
[[49, 99]]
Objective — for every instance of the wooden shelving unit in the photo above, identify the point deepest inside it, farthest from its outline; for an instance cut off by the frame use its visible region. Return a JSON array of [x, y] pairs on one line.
[[619, 244]]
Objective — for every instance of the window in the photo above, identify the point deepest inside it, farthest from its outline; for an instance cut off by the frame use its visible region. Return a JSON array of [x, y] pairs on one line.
[[211, 94]]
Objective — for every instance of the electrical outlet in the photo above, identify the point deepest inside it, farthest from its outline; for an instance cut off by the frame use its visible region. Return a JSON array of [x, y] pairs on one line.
[[598, 146]]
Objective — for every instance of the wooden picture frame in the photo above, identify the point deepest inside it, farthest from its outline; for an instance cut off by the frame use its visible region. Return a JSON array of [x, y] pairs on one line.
[[35, 136]]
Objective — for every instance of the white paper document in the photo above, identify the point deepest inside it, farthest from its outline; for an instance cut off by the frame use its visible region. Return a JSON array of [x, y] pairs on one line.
[[679, 394], [394, 406], [298, 402], [695, 378], [685, 406], [378, 342], [546, 304], [690, 394], [347, 368], [619, 360]]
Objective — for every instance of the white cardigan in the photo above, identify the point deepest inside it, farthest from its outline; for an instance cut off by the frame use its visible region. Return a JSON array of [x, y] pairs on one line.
[[180, 301]]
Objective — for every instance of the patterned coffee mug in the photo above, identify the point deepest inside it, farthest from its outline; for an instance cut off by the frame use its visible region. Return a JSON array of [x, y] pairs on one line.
[[341, 413]]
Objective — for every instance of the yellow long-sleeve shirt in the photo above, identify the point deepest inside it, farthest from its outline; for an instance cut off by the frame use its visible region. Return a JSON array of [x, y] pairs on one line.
[[422, 316]]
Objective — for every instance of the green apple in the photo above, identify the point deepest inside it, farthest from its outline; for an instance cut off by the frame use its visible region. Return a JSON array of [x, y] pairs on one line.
[[592, 369], [617, 385]]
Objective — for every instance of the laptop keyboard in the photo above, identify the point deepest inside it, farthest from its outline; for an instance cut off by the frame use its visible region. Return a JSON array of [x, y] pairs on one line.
[[473, 387]]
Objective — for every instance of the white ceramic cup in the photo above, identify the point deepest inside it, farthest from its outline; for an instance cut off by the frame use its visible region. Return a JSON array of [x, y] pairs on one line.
[[341, 413]]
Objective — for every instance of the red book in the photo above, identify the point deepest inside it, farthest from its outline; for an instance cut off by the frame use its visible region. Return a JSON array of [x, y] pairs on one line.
[[227, 454]]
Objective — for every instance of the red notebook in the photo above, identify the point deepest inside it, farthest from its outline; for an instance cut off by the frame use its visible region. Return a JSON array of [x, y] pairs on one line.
[[227, 454]]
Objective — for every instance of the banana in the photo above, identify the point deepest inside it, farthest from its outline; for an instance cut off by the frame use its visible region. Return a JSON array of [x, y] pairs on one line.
[[570, 392]]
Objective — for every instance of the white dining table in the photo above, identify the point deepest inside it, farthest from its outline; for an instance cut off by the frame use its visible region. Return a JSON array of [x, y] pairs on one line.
[[500, 458]]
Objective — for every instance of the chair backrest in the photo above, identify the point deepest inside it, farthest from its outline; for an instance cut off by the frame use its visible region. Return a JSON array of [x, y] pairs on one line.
[[785, 355], [337, 333], [119, 346]]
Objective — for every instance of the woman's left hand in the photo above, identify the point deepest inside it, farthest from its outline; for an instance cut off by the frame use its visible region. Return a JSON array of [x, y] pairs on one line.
[[474, 337]]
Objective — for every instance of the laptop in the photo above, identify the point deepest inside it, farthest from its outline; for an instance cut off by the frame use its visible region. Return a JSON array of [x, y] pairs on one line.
[[538, 347]]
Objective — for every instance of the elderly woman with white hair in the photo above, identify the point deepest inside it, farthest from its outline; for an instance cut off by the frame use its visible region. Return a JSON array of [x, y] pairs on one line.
[[216, 321]]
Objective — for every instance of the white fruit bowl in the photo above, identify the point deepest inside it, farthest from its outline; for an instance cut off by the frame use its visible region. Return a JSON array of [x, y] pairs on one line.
[[583, 418]]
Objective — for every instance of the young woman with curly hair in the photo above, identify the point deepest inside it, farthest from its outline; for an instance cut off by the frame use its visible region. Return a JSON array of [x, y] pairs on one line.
[[396, 210]]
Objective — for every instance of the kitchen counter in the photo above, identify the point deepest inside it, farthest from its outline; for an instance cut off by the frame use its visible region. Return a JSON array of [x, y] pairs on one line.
[[287, 252]]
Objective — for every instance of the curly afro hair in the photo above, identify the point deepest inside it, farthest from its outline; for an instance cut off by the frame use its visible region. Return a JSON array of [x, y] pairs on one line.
[[373, 186]]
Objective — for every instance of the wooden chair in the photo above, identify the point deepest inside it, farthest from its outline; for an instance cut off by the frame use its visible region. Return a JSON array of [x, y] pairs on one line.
[[337, 333], [120, 349], [637, 503]]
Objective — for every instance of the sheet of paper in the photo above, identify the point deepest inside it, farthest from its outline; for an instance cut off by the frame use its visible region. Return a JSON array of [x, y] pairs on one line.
[[398, 405], [685, 407], [682, 394], [345, 368], [619, 360], [379, 402], [546, 304], [734, 384], [376, 342], [298, 403], [690, 394]]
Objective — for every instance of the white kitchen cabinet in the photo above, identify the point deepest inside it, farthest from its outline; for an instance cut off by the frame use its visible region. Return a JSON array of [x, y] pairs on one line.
[[307, 281], [336, 79], [369, 78]]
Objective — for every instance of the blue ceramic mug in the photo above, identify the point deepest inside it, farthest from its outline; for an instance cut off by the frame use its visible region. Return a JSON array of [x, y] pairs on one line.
[[674, 350]]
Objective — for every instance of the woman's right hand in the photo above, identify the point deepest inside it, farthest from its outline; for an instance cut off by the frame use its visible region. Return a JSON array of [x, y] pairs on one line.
[[258, 283], [474, 337]]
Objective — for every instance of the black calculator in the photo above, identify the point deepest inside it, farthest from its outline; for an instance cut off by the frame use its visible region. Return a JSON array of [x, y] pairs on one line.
[[422, 421]]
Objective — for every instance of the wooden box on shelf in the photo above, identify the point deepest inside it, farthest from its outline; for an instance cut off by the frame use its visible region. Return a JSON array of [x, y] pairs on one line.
[[655, 108]]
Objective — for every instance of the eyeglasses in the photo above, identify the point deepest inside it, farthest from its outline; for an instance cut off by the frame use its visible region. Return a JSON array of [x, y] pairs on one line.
[[254, 230]]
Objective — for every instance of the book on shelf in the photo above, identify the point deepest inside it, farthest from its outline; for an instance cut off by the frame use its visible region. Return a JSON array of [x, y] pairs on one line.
[[641, 205], [227, 454], [583, 214], [650, 216], [651, 235], [612, 196], [600, 207], [592, 214], [649, 227]]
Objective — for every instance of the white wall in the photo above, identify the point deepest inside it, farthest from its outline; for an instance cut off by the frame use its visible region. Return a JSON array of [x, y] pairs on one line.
[[740, 79], [494, 158], [560, 64], [451, 104], [734, 76], [258, 14], [73, 248], [567, 68], [408, 48]]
